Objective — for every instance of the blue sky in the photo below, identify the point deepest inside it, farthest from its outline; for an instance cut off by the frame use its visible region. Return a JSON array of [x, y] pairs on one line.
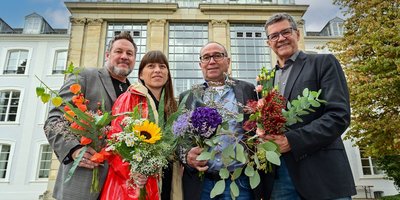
[[54, 11]]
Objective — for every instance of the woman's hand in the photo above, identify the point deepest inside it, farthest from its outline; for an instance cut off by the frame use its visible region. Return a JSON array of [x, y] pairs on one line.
[[140, 180]]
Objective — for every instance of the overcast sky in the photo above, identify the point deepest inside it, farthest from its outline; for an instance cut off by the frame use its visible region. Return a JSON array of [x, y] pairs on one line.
[[55, 12]]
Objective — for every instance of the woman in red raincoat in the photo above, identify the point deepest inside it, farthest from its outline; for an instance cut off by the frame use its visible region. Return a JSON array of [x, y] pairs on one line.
[[154, 76]]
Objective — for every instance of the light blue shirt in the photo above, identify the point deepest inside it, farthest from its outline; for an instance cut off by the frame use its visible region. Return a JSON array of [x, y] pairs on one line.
[[224, 96]]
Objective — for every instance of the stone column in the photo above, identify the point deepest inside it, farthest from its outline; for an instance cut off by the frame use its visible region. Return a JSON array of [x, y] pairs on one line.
[[300, 26], [156, 35], [76, 40], [219, 32], [92, 43]]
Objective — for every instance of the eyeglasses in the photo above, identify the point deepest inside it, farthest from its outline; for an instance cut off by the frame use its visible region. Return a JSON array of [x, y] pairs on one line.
[[285, 33], [216, 56]]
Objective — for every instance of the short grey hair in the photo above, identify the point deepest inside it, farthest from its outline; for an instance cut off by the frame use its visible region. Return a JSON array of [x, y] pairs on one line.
[[278, 17]]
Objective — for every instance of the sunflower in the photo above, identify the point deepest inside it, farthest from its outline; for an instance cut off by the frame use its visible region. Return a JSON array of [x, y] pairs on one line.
[[148, 131]]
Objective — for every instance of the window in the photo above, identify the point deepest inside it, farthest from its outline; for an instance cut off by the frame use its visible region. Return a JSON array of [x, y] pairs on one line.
[[138, 32], [9, 101], [5, 151], [44, 161], [248, 51], [16, 62], [60, 61], [369, 165], [185, 42]]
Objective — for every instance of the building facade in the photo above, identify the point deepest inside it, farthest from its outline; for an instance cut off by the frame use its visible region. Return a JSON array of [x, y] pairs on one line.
[[178, 28], [25, 155]]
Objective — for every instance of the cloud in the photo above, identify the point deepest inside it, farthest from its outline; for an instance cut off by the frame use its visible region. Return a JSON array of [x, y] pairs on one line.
[[319, 13], [58, 18]]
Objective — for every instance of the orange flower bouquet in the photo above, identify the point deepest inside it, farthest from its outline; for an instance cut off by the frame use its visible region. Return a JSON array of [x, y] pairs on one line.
[[88, 126]]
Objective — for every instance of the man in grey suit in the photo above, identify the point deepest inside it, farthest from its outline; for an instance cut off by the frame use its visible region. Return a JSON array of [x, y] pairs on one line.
[[314, 162], [214, 64], [98, 85]]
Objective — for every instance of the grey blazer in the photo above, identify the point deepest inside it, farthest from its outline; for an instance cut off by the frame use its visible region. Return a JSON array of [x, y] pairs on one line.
[[317, 160], [97, 86]]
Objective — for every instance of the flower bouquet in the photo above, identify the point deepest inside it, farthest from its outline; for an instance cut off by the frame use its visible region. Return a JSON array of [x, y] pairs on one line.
[[88, 126], [269, 115], [142, 144]]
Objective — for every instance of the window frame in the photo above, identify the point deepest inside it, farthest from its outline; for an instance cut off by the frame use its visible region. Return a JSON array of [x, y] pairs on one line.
[[7, 58], [371, 166], [38, 160], [18, 113], [10, 159], [54, 69]]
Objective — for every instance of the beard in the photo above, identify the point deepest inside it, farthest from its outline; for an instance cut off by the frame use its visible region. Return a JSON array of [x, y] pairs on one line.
[[118, 70]]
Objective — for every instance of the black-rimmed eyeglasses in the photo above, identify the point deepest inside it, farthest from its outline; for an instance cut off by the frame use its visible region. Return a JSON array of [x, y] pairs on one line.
[[216, 56], [285, 33]]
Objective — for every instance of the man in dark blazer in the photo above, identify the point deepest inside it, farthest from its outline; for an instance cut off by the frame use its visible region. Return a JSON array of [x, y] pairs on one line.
[[214, 63], [314, 162], [98, 85]]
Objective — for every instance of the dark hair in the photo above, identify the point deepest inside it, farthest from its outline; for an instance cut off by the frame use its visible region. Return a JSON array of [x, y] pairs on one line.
[[170, 105], [278, 18], [123, 35], [213, 42]]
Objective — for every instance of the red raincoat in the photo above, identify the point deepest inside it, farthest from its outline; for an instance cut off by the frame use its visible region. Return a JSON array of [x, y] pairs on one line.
[[115, 186]]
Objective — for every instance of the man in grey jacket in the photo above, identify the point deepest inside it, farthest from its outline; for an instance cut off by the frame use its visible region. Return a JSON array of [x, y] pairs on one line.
[[97, 85]]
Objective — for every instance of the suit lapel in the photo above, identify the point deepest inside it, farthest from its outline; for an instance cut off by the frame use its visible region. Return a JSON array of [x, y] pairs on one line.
[[107, 83], [297, 67], [237, 89]]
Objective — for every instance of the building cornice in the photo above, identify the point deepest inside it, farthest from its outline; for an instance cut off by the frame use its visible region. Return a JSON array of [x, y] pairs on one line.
[[26, 37], [112, 7], [217, 9]]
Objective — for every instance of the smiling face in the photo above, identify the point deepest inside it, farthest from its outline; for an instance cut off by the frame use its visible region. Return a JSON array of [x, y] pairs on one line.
[[120, 60], [214, 70], [154, 75], [284, 47]]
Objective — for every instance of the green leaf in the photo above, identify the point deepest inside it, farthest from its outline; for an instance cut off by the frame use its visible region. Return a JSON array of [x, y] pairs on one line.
[[254, 180], [268, 146], [239, 118], [249, 170], [234, 189], [237, 172], [305, 92], [240, 154], [39, 91], [205, 155], [45, 97], [218, 189], [273, 157], [224, 173]]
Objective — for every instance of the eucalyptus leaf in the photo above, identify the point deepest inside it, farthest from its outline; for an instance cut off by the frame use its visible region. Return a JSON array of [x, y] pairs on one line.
[[234, 189], [205, 155], [224, 173], [249, 170], [273, 157], [240, 154], [254, 180], [218, 189], [237, 172]]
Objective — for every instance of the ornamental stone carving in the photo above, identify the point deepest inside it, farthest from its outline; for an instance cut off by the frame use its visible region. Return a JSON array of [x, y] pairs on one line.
[[94, 21], [157, 22], [219, 23], [78, 21]]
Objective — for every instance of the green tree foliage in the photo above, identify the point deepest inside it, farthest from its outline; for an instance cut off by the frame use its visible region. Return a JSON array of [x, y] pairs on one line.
[[370, 53]]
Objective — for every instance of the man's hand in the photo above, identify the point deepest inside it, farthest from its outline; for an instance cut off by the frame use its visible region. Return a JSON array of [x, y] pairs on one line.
[[85, 161], [200, 165], [281, 140]]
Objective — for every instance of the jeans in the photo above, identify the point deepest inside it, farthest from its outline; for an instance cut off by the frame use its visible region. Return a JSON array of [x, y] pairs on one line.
[[245, 191], [284, 188]]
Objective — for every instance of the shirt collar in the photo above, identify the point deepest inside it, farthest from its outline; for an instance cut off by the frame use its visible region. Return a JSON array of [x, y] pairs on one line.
[[289, 62]]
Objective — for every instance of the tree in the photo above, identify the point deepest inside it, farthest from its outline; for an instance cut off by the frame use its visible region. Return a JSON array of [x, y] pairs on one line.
[[370, 54]]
